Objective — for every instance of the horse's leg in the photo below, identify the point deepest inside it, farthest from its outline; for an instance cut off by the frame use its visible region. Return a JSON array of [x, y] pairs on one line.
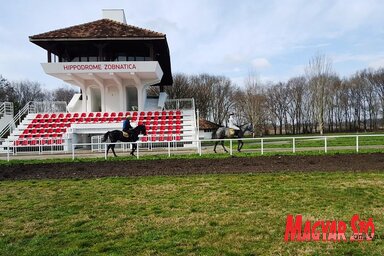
[[113, 149], [133, 149], [214, 148], [222, 144], [240, 145], [108, 147]]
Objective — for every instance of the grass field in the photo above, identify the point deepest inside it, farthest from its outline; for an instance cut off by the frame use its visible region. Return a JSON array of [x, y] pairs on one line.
[[192, 215]]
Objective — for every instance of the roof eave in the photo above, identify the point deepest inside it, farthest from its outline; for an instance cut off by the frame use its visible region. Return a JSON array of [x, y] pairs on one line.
[[96, 39]]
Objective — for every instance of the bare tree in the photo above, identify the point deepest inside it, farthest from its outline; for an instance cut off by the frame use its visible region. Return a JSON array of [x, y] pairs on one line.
[[26, 91], [203, 93], [222, 99], [7, 92], [377, 80], [318, 73], [296, 89], [278, 101], [64, 93], [252, 103]]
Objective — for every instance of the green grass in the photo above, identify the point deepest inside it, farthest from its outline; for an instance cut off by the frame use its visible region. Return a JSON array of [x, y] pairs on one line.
[[194, 215]]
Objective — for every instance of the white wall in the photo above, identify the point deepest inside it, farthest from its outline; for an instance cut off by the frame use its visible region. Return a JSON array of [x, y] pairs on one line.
[[113, 98]]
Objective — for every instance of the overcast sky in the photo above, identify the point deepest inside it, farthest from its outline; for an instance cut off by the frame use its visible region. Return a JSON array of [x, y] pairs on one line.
[[271, 38]]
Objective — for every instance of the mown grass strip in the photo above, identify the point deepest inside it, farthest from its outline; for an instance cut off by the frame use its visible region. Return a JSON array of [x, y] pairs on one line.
[[194, 215]]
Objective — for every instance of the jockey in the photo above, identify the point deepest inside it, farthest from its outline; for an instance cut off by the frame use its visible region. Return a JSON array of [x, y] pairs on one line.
[[127, 125], [231, 124]]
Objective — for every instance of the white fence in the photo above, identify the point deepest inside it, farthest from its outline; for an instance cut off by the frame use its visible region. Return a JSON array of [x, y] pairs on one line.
[[353, 143]]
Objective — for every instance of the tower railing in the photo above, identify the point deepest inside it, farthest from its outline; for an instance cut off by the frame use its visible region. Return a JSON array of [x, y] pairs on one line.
[[186, 104]]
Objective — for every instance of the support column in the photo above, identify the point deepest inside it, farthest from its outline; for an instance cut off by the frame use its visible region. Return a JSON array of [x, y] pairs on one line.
[[84, 96], [122, 96], [100, 82]]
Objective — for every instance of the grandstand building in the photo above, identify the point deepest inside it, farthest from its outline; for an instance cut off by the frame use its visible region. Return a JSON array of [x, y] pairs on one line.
[[114, 65]]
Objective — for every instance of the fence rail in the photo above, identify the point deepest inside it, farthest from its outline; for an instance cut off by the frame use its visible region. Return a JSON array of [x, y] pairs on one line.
[[354, 143]]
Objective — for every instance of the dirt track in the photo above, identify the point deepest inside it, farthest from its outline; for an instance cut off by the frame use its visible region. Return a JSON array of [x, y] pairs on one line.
[[353, 162]]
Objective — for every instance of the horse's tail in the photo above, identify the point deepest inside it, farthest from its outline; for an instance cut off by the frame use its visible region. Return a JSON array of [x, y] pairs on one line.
[[105, 137]]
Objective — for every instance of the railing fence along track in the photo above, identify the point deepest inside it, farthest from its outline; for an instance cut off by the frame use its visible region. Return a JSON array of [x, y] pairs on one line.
[[251, 145]]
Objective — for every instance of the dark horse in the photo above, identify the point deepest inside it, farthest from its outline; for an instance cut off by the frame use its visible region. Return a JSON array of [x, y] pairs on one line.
[[225, 132], [117, 135]]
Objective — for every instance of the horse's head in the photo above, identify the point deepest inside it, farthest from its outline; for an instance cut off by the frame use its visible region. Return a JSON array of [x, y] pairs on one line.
[[249, 128], [246, 127]]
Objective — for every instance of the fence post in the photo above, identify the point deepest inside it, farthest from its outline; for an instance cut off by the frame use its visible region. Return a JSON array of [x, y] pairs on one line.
[[230, 147], [73, 152], [262, 146], [169, 149], [137, 149], [200, 147], [293, 145], [357, 143], [325, 144]]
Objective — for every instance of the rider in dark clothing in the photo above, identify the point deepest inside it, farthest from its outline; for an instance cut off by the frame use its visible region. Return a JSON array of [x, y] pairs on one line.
[[127, 125]]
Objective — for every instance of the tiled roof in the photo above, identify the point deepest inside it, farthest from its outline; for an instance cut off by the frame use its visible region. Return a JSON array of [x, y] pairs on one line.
[[207, 125], [99, 29]]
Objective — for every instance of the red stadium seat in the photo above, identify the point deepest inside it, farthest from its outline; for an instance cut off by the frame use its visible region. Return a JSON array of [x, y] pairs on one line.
[[106, 114], [98, 114], [120, 114], [83, 114], [76, 115]]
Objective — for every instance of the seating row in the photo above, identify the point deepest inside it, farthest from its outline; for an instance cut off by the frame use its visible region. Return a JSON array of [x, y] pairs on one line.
[[161, 125], [169, 113], [49, 121], [59, 141], [36, 142]]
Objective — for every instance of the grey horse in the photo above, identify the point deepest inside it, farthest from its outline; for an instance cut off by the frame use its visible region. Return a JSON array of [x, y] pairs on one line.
[[225, 132]]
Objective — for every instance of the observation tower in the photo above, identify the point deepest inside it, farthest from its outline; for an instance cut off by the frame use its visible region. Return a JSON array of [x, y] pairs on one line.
[[112, 63]]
